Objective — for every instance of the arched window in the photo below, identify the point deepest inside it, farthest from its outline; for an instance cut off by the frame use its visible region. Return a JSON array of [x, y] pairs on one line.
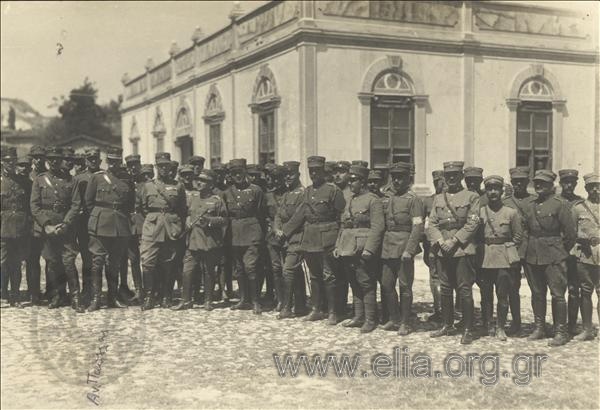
[[184, 138], [265, 101], [213, 119], [159, 130]]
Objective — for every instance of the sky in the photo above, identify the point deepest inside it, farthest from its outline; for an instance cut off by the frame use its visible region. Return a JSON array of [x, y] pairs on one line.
[[98, 40]]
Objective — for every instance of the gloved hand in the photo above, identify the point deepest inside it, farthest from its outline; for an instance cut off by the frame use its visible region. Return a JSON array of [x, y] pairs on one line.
[[406, 257]]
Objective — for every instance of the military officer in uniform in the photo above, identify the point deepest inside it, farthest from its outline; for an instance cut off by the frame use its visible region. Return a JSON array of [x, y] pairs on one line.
[[277, 189], [502, 234], [163, 203], [519, 200], [551, 232], [22, 172], [225, 266], [358, 246], [197, 163], [330, 171], [319, 215], [55, 204], [187, 178], [364, 164], [453, 223], [206, 220], [341, 175], [79, 166], [109, 200], [246, 208], [568, 182], [404, 221], [293, 287], [428, 255], [15, 227], [586, 214], [147, 171], [374, 182]]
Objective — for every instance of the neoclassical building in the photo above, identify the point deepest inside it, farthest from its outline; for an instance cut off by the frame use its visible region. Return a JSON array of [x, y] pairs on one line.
[[496, 84]]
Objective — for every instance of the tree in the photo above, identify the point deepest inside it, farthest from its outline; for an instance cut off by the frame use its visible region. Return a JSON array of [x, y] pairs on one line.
[[11, 118]]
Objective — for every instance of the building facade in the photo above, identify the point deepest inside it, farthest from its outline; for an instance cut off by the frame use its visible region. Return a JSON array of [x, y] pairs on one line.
[[496, 84]]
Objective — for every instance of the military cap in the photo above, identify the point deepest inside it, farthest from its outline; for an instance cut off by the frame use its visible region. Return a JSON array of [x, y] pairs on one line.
[[114, 153], [162, 158], [345, 165], [519, 172], [568, 173], [291, 166], [544, 175], [147, 169], [361, 163], [493, 180], [207, 175], [37, 150], [54, 152], [186, 169], [315, 161], [453, 166], [254, 169], [278, 170], [400, 168], [132, 158], [79, 158], [270, 167], [196, 160], [359, 170], [237, 163], [92, 152], [437, 175], [9, 153], [375, 175], [330, 166], [473, 172], [591, 178], [218, 167], [69, 152], [24, 159]]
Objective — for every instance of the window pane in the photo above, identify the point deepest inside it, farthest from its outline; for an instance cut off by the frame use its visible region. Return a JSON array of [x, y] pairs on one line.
[[379, 117], [380, 157], [542, 161], [523, 158], [401, 138], [541, 140], [524, 140], [400, 117], [380, 138], [540, 122], [523, 119]]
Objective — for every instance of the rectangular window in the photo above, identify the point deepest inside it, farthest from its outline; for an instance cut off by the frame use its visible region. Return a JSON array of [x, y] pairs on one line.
[[266, 138], [534, 136], [392, 132], [214, 132]]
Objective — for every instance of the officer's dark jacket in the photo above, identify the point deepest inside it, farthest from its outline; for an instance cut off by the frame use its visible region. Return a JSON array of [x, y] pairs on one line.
[[319, 215], [211, 211], [290, 202], [520, 205], [137, 218], [274, 200], [15, 213], [164, 205], [551, 230], [247, 212], [54, 200], [109, 201], [362, 225], [586, 215], [404, 221]]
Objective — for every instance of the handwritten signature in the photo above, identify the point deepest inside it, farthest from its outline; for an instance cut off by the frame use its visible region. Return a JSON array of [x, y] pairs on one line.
[[93, 376]]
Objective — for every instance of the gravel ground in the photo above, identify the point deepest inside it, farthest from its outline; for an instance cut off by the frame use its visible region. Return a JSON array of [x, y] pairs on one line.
[[225, 359]]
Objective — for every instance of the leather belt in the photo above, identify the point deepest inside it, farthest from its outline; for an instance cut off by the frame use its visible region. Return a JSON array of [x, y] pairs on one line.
[[399, 228], [239, 218], [452, 225], [163, 210], [543, 234], [496, 241], [54, 207], [110, 205], [352, 225]]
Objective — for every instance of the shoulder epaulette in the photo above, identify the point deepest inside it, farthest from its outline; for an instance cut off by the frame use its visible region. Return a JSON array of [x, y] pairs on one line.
[[100, 172]]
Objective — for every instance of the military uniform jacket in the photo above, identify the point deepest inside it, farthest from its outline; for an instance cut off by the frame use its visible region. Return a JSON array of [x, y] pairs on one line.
[[247, 212], [502, 232], [461, 221], [212, 210], [403, 224], [54, 200], [362, 225], [319, 217], [82, 179], [520, 205], [588, 232], [290, 202], [164, 204], [551, 231], [15, 214], [109, 202], [136, 218], [273, 200]]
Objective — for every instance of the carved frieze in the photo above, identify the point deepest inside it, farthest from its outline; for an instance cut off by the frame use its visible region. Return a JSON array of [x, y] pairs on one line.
[[215, 46], [269, 19], [184, 62]]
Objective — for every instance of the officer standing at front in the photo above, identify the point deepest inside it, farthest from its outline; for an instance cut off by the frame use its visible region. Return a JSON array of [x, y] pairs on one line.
[[109, 201], [55, 204], [453, 223], [319, 215], [163, 203], [551, 233]]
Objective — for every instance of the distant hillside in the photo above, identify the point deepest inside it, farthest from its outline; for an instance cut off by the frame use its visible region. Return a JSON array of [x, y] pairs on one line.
[[26, 118]]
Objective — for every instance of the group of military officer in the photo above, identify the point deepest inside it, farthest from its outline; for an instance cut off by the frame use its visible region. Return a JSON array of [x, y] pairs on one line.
[[349, 228]]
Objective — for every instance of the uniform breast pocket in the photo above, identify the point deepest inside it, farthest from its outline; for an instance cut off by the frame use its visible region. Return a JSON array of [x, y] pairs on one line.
[[548, 220], [402, 216], [102, 194], [504, 229], [47, 194], [321, 206], [462, 211]]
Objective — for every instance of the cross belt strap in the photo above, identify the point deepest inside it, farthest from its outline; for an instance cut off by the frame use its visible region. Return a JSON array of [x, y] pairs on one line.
[[590, 212]]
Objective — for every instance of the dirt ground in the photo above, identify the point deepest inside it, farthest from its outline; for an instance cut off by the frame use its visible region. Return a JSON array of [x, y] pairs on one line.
[[225, 359]]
